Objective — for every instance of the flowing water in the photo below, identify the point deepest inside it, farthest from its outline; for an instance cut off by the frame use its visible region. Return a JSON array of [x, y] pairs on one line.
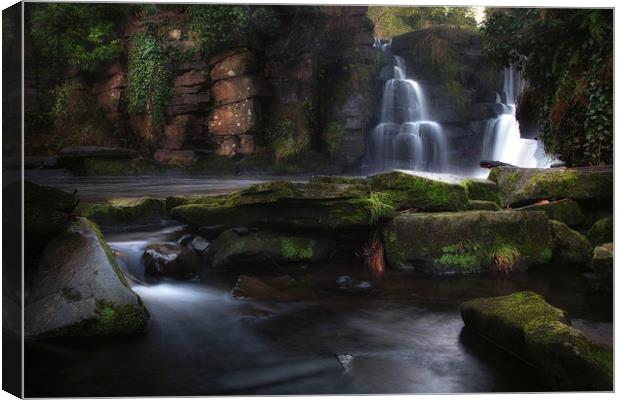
[[502, 137], [408, 338], [405, 137]]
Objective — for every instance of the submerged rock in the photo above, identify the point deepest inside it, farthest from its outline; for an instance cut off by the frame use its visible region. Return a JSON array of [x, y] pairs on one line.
[[124, 211], [603, 266], [527, 185], [404, 191], [569, 246], [524, 324], [79, 289], [565, 210], [170, 260], [185, 239], [199, 244], [602, 231], [265, 248], [467, 242], [286, 205]]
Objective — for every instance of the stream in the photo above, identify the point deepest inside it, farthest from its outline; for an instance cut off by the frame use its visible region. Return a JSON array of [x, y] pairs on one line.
[[407, 338]]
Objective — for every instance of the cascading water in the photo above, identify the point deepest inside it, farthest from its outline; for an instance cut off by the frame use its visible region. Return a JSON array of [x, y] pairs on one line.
[[405, 138], [502, 138]]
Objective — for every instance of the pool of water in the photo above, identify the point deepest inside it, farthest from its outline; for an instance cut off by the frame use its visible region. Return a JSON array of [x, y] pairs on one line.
[[407, 338]]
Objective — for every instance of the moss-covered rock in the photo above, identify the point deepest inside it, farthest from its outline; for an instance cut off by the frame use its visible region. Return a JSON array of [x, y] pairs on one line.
[[602, 231], [337, 179], [482, 205], [524, 324], [79, 289], [467, 242], [569, 246], [286, 205], [265, 248], [565, 210], [603, 266], [406, 191], [482, 189], [123, 211], [526, 185]]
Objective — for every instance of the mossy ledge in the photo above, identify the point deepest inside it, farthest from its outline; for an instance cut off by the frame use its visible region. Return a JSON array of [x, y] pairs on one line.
[[122, 211], [524, 324]]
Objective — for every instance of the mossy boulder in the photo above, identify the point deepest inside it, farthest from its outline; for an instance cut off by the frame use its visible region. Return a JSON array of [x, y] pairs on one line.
[[602, 231], [569, 246], [265, 248], [603, 266], [520, 186], [524, 324], [482, 189], [467, 242], [123, 211], [286, 205], [79, 289], [405, 191], [482, 205], [337, 179], [47, 210], [565, 210]]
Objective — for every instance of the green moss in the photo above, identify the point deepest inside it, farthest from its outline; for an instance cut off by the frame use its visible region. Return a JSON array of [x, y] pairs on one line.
[[565, 210], [108, 252], [335, 179], [113, 319], [410, 191], [104, 166], [333, 136], [465, 256], [485, 190], [569, 246], [602, 231], [482, 205], [298, 249], [122, 211], [547, 253]]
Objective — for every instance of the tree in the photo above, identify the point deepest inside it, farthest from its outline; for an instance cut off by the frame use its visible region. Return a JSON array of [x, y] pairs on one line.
[[394, 21], [566, 55]]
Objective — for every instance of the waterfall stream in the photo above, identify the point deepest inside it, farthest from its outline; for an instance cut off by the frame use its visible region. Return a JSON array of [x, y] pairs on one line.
[[502, 137], [406, 138]]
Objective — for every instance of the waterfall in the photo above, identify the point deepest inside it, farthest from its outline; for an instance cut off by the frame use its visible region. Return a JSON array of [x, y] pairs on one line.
[[405, 137], [502, 138]]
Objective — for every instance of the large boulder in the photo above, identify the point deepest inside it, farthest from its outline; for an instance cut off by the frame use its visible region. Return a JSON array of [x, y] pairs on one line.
[[565, 210], [287, 205], [406, 191], [482, 189], [569, 246], [265, 248], [170, 260], [602, 231], [467, 242], [603, 266], [524, 324], [124, 211], [527, 185], [79, 289]]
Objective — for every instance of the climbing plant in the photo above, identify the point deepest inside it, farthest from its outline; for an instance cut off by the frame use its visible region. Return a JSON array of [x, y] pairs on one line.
[[149, 77], [566, 55], [214, 24]]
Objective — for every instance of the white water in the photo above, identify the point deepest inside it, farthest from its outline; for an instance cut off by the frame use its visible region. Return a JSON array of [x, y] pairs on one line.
[[405, 137], [502, 137]]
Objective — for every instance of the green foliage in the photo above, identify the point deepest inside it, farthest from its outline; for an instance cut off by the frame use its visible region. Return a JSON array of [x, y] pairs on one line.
[[214, 24], [84, 35], [286, 139], [566, 55], [148, 77], [393, 21]]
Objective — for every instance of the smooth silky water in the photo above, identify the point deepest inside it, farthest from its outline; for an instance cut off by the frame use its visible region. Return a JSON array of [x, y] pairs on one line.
[[408, 338]]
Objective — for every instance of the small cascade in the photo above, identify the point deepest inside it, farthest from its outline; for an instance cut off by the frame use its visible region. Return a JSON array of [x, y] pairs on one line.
[[502, 137], [406, 138]]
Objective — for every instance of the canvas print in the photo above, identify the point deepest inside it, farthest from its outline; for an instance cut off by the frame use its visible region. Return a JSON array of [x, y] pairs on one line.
[[255, 199]]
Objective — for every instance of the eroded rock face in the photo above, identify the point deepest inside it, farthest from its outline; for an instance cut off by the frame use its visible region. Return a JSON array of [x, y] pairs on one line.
[[237, 89], [565, 210], [569, 246], [527, 185], [233, 63], [264, 248], [524, 324], [236, 118], [79, 290], [467, 242], [287, 205], [170, 260]]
